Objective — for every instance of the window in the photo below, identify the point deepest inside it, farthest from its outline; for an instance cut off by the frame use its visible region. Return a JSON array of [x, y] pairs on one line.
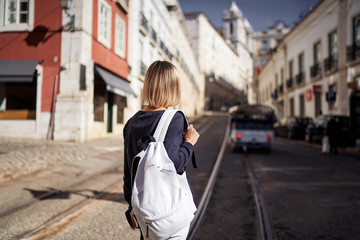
[[263, 62], [291, 69], [264, 46], [99, 98], [301, 62], [356, 32], [333, 50], [231, 28], [357, 81], [317, 53], [16, 15], [18, 100], [104, 23], [120, 37], [302, 105], [292, 112], [282, 75], [120, 101]]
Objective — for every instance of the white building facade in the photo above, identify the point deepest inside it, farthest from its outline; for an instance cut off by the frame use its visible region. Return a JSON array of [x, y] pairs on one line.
[[154, 34], [227, 71], [319, 56]]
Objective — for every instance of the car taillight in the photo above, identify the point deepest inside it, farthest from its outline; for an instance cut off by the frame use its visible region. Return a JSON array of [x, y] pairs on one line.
[[269, 136], [238, 136]]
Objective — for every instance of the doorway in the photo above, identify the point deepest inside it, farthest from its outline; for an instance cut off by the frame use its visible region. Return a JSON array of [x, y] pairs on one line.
[[110, 112]]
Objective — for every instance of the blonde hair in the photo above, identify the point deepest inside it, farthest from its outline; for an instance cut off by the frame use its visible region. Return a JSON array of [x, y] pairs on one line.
[[161, 85]]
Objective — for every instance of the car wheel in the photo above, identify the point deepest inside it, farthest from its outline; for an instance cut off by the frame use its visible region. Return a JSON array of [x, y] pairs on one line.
[[307, 137]]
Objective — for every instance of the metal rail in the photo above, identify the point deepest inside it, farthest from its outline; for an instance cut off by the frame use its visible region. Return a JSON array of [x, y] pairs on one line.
[[264, 221], [209, 188], [29, 202], [69, 211]]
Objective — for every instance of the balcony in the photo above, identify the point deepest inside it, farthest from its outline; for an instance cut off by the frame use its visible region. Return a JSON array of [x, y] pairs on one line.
[[144, 21], [142, 68], [154, 35], [289, 83], [315, 70], [330, 63], [281, 88], [352, 53], [300, 77]]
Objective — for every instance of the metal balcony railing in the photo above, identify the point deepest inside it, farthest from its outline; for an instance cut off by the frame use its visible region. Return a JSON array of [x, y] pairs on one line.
[[281, 88], [315, 70], [352, 52], [300, 77], [289, 83], [330, 63]]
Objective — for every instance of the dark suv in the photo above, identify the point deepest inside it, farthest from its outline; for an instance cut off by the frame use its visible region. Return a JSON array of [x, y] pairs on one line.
[[316, 130]]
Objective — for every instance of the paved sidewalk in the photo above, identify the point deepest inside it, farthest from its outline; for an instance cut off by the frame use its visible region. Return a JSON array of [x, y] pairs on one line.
[[23, 156]]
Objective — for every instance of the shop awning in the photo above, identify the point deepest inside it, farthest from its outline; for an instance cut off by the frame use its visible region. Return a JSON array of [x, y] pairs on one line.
[[17, 71], [115, 83]]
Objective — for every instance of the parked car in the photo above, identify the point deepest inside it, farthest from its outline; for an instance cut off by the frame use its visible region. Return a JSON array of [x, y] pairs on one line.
[[317, 130], [251, 127], [292, 127]]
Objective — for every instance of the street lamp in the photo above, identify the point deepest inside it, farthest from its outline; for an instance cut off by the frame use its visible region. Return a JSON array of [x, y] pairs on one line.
[[66, 5]]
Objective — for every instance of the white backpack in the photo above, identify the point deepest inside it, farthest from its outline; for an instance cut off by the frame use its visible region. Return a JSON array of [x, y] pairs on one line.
[[161, 199]]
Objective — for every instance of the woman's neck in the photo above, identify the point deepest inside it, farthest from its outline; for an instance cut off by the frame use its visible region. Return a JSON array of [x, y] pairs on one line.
[[149, 108]]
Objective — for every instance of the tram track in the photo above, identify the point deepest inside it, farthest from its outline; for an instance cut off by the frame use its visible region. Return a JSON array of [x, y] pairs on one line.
[[263, 216], [209, 188], [264, 228], [85, 197], [56, 193]]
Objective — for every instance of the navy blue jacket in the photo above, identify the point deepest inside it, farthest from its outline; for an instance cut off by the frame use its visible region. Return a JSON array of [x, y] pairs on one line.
[[144, 123]]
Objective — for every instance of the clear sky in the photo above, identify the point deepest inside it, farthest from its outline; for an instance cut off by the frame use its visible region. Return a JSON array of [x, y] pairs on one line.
[[260, 13]]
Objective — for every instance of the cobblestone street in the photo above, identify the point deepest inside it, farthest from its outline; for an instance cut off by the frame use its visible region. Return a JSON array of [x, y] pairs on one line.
[[23, 156]]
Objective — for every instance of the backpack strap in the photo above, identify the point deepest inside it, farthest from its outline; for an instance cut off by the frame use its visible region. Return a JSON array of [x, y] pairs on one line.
[[163, 125]]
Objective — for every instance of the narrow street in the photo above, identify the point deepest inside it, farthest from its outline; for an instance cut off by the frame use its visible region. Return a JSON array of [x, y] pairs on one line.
[[307, 194]]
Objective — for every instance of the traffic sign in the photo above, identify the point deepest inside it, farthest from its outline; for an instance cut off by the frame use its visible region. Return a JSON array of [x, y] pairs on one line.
[[331, 96]]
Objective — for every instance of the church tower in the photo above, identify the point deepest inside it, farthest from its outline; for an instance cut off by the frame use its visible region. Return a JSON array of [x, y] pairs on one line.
[[236, 29]]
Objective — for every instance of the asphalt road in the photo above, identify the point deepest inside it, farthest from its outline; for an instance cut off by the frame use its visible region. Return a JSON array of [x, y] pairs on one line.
[[308, 195]]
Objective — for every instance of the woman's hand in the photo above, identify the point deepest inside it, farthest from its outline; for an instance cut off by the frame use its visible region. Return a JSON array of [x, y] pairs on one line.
[[191, 135]]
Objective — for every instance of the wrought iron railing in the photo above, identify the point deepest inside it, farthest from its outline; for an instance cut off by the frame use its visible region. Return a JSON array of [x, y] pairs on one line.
[[289, 83], [315, 70], [330, 63], [300, 77], [352, 52]]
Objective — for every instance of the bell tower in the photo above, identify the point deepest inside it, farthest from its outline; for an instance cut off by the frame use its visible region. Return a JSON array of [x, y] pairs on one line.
[[233, 26]]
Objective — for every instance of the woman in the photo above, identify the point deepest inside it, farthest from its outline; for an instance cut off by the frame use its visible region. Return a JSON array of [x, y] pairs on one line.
[[161, 90]]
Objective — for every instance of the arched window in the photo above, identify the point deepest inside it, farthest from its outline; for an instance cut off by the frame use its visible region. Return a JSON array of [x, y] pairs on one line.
[[231, 28]]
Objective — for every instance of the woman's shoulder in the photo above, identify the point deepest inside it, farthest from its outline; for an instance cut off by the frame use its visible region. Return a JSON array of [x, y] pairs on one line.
[[180, 120]]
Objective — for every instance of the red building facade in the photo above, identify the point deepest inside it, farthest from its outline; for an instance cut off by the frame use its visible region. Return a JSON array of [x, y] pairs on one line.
[[61, 79]]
